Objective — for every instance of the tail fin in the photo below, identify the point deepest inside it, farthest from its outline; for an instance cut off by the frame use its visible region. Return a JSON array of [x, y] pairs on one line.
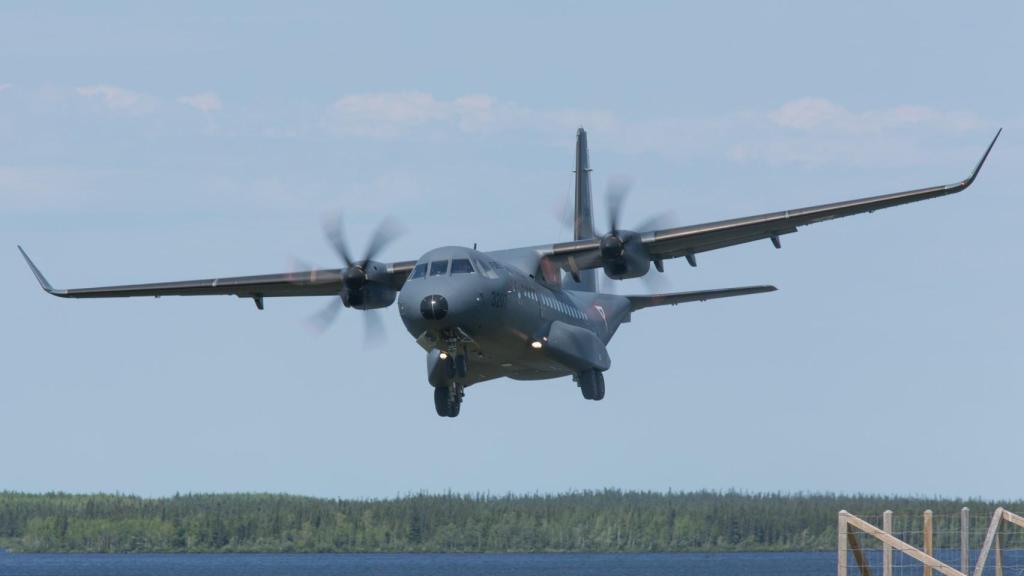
[[583, 212]]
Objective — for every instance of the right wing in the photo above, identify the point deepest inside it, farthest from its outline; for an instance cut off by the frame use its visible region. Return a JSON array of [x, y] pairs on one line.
[[689, 240], [306, 283]]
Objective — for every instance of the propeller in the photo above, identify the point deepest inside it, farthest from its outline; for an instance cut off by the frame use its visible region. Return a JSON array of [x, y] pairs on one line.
[[373, 326], [614, 243], [356, 277]]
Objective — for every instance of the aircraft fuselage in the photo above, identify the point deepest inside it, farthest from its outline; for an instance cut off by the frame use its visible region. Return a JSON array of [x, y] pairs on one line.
[[461, 301]]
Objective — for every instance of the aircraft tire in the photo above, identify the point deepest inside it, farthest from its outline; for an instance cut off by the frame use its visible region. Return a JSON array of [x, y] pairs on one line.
[[441, 403], [598, 386], [587, 381]]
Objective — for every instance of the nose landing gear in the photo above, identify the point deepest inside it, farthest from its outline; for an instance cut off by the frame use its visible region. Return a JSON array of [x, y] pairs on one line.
[[446, 371], [591, 383], [448, 400]]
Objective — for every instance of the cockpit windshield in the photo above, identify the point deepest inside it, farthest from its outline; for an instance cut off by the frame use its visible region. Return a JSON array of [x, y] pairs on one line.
[[438, 267], [461, 266], [441, 268]]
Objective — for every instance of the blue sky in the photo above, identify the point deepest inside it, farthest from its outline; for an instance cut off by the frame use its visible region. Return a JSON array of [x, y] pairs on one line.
[[145, 142]]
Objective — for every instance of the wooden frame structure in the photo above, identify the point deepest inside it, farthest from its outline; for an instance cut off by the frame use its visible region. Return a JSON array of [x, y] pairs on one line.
[[848, 543], [992, 537]]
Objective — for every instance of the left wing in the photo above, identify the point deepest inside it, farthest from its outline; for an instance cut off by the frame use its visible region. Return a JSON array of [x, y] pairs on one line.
[[306, 283], [689, 240]]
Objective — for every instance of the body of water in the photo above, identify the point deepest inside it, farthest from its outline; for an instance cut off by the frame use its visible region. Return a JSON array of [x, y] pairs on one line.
[[729, 564]]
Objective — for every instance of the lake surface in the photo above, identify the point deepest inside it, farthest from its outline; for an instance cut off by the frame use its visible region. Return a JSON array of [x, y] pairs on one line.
[[731, 564]]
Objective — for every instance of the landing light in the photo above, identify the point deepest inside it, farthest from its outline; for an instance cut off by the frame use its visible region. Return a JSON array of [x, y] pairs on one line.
[[444, 356], [536, 344]]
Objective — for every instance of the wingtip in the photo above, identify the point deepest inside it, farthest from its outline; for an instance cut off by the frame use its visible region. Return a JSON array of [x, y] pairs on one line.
[[977, 168], [35, 271]]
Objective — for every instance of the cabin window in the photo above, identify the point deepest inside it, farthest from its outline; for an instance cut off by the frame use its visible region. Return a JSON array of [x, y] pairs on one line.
[[419, 271], [461, 266], [438, 267]]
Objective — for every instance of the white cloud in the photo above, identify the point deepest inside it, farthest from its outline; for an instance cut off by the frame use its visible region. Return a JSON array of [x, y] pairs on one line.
[[803, 131], [817, 131], [118, 99], [820, 114], [204, 101], [389, 115]]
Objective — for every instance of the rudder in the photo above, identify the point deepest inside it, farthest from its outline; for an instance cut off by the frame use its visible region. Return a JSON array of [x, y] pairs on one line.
[[583, 212]]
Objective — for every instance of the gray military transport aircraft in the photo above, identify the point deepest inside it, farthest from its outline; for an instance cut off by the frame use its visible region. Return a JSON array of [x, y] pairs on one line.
[[525, 313]]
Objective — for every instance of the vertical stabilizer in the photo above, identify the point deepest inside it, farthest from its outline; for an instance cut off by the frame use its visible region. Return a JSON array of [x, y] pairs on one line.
[[583, 211]]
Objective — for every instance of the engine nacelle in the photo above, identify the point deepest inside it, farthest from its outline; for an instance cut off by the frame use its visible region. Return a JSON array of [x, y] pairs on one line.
[[623, 255], [365, 286], [368, 297]]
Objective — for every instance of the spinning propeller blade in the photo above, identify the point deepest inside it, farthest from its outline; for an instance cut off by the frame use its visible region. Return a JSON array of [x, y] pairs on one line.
[[355, 276]]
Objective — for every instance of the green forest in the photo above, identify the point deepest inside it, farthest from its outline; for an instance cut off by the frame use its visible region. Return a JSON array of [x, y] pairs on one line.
[[601, 521]]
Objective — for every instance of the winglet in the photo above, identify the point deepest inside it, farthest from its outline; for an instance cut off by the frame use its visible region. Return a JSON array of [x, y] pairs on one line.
[[39, 275], [970, 179]]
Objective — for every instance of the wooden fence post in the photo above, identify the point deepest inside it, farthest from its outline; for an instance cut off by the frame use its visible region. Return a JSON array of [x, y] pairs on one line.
[[928, 549], [841, 532], [965, 530], [886, 547]]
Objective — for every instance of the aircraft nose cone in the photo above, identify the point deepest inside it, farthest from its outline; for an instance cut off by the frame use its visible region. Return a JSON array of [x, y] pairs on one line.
[[434, 307]]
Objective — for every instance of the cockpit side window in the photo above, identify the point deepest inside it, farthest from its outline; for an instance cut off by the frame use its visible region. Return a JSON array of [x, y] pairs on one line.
[[461, 266], [438, 267], [484, 268], [419, 271]]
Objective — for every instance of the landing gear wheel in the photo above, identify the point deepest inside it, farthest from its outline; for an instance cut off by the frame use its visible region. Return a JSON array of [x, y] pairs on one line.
[[587, 382], [441, 400], [591, 383], [447, 401], [599, 386]]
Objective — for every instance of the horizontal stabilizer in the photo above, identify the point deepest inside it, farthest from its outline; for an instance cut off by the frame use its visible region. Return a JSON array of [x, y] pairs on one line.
[[647, 301]]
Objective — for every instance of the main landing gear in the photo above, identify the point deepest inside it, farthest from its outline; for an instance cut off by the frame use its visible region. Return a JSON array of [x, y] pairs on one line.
[[591, 383]]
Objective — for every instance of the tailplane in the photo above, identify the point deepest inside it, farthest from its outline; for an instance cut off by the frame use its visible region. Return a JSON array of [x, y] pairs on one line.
[[583, 212], [651, 300]]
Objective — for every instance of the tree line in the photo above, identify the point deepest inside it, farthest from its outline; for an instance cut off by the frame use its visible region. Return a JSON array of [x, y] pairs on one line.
[[599, 521]]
